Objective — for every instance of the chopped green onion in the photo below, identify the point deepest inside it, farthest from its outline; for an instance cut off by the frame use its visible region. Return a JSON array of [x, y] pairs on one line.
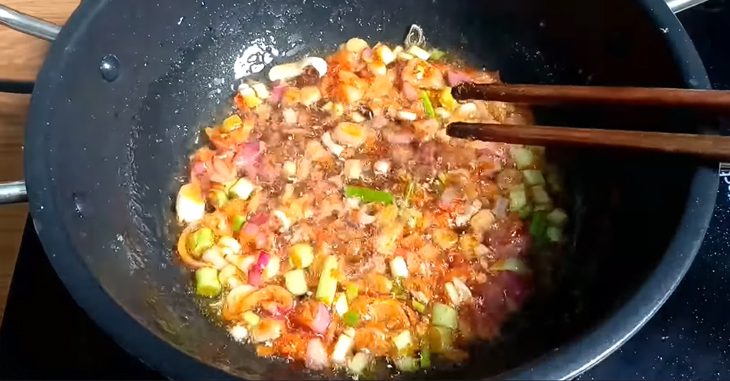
[[327, 286], [368, 195], [554, 234], [207, 283], [200, 241], [539, 195], [427, 105], [418, 306], [538, 225], [523, 157], [444, 316], [425, 356], [251, 318], [238, 222], [351, 291], [533, 177], [296, 282], [517, 199], [399, 291], [406, 364], [437, 54], [351, 318], [440, 339], [557, 217]]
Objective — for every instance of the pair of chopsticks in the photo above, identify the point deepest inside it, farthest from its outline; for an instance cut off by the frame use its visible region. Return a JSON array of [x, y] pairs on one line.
[[711, 146]]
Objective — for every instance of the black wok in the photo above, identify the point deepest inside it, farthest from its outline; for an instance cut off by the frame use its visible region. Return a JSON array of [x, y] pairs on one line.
[[127, 86]]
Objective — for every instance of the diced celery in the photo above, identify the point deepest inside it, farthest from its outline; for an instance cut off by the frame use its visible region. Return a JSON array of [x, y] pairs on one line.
[[523, 157], [200, 241], [301, 255], [403, 341], [538, 225], [440, 339], [418, 306], [557, 217], [539, 195], [351, 318], [425, 356], [406, 364], [351, 291], [517, 199], [512, 264], [207, 283], [251, 318], [554, 234], [444, 316], [327, 286], [296, 282], [238, 222], [437, 54], [533, 177]]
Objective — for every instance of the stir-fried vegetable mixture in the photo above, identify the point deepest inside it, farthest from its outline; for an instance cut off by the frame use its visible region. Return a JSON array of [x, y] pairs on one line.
[[337, 224]]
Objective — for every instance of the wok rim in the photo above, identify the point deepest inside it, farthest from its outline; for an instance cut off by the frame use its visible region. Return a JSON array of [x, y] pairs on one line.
[[172, 361]]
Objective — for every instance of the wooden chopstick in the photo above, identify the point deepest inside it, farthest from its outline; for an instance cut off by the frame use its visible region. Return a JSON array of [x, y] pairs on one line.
[[558, 94], [710, 146]]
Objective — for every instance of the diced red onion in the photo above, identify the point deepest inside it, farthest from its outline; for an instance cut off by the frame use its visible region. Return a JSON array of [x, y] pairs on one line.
[[277, 93], [250, 229], [316, 358], [455, 77], [261, 240], [321, 320], [410, 92], [255, 273], [247, 154]]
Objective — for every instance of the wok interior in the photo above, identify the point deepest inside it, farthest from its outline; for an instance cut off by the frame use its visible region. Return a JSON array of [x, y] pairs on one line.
[[119, 165]]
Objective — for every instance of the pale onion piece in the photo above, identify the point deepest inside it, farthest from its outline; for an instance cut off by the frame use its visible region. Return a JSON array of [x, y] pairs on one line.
[[403, 56], [234, 282], [407, 115], [418, 52], [420, 296], [384, 54], [289, 169], [333, 147], [290, 70], [283, 219], [243, 188], [366, 219], [243, 262], [356, 45], [272, 268], [443, 113], [341, 305], [397, 50], [462, 289], [350, 134], [290, 116], [398, 267], [190, 204], [482, 221], [310, 95], [466, 110], [482, 250], [229, 245], [452, 293], [342, 349], [238, 333], [377, 68], [382, 167], [357, 117], [236, 294], [317, 63], [214, 256], [249, 96], [351, 93], [227, 273], [463, 219], [352, 203], [353, 169], [261, 90], [267, 330], [359, 362]]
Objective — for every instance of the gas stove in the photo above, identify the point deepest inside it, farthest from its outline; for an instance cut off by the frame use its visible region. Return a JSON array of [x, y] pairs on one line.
[[45, 335]]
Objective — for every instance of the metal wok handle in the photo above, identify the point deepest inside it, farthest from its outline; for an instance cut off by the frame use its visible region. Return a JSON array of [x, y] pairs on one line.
[[14, 191]]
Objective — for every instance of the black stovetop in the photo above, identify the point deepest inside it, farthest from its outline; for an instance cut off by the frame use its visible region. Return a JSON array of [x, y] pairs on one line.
[[45, 335]]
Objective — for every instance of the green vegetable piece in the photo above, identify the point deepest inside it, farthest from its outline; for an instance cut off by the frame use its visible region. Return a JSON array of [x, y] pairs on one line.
[[512, 264], [525, 212], [425, 356], [437, 54], [351, 291], [538, 225], [517, 199], [368, 195], [554, 234], [557, 217], [427, 105], [533, 177], [410, 191], [406, 364], [207, 283], [440, 339], [327, 286], [351, 318], [523, 157], [539, 195], [238, 222], [418, 306], [444, 316], [200, 241]]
